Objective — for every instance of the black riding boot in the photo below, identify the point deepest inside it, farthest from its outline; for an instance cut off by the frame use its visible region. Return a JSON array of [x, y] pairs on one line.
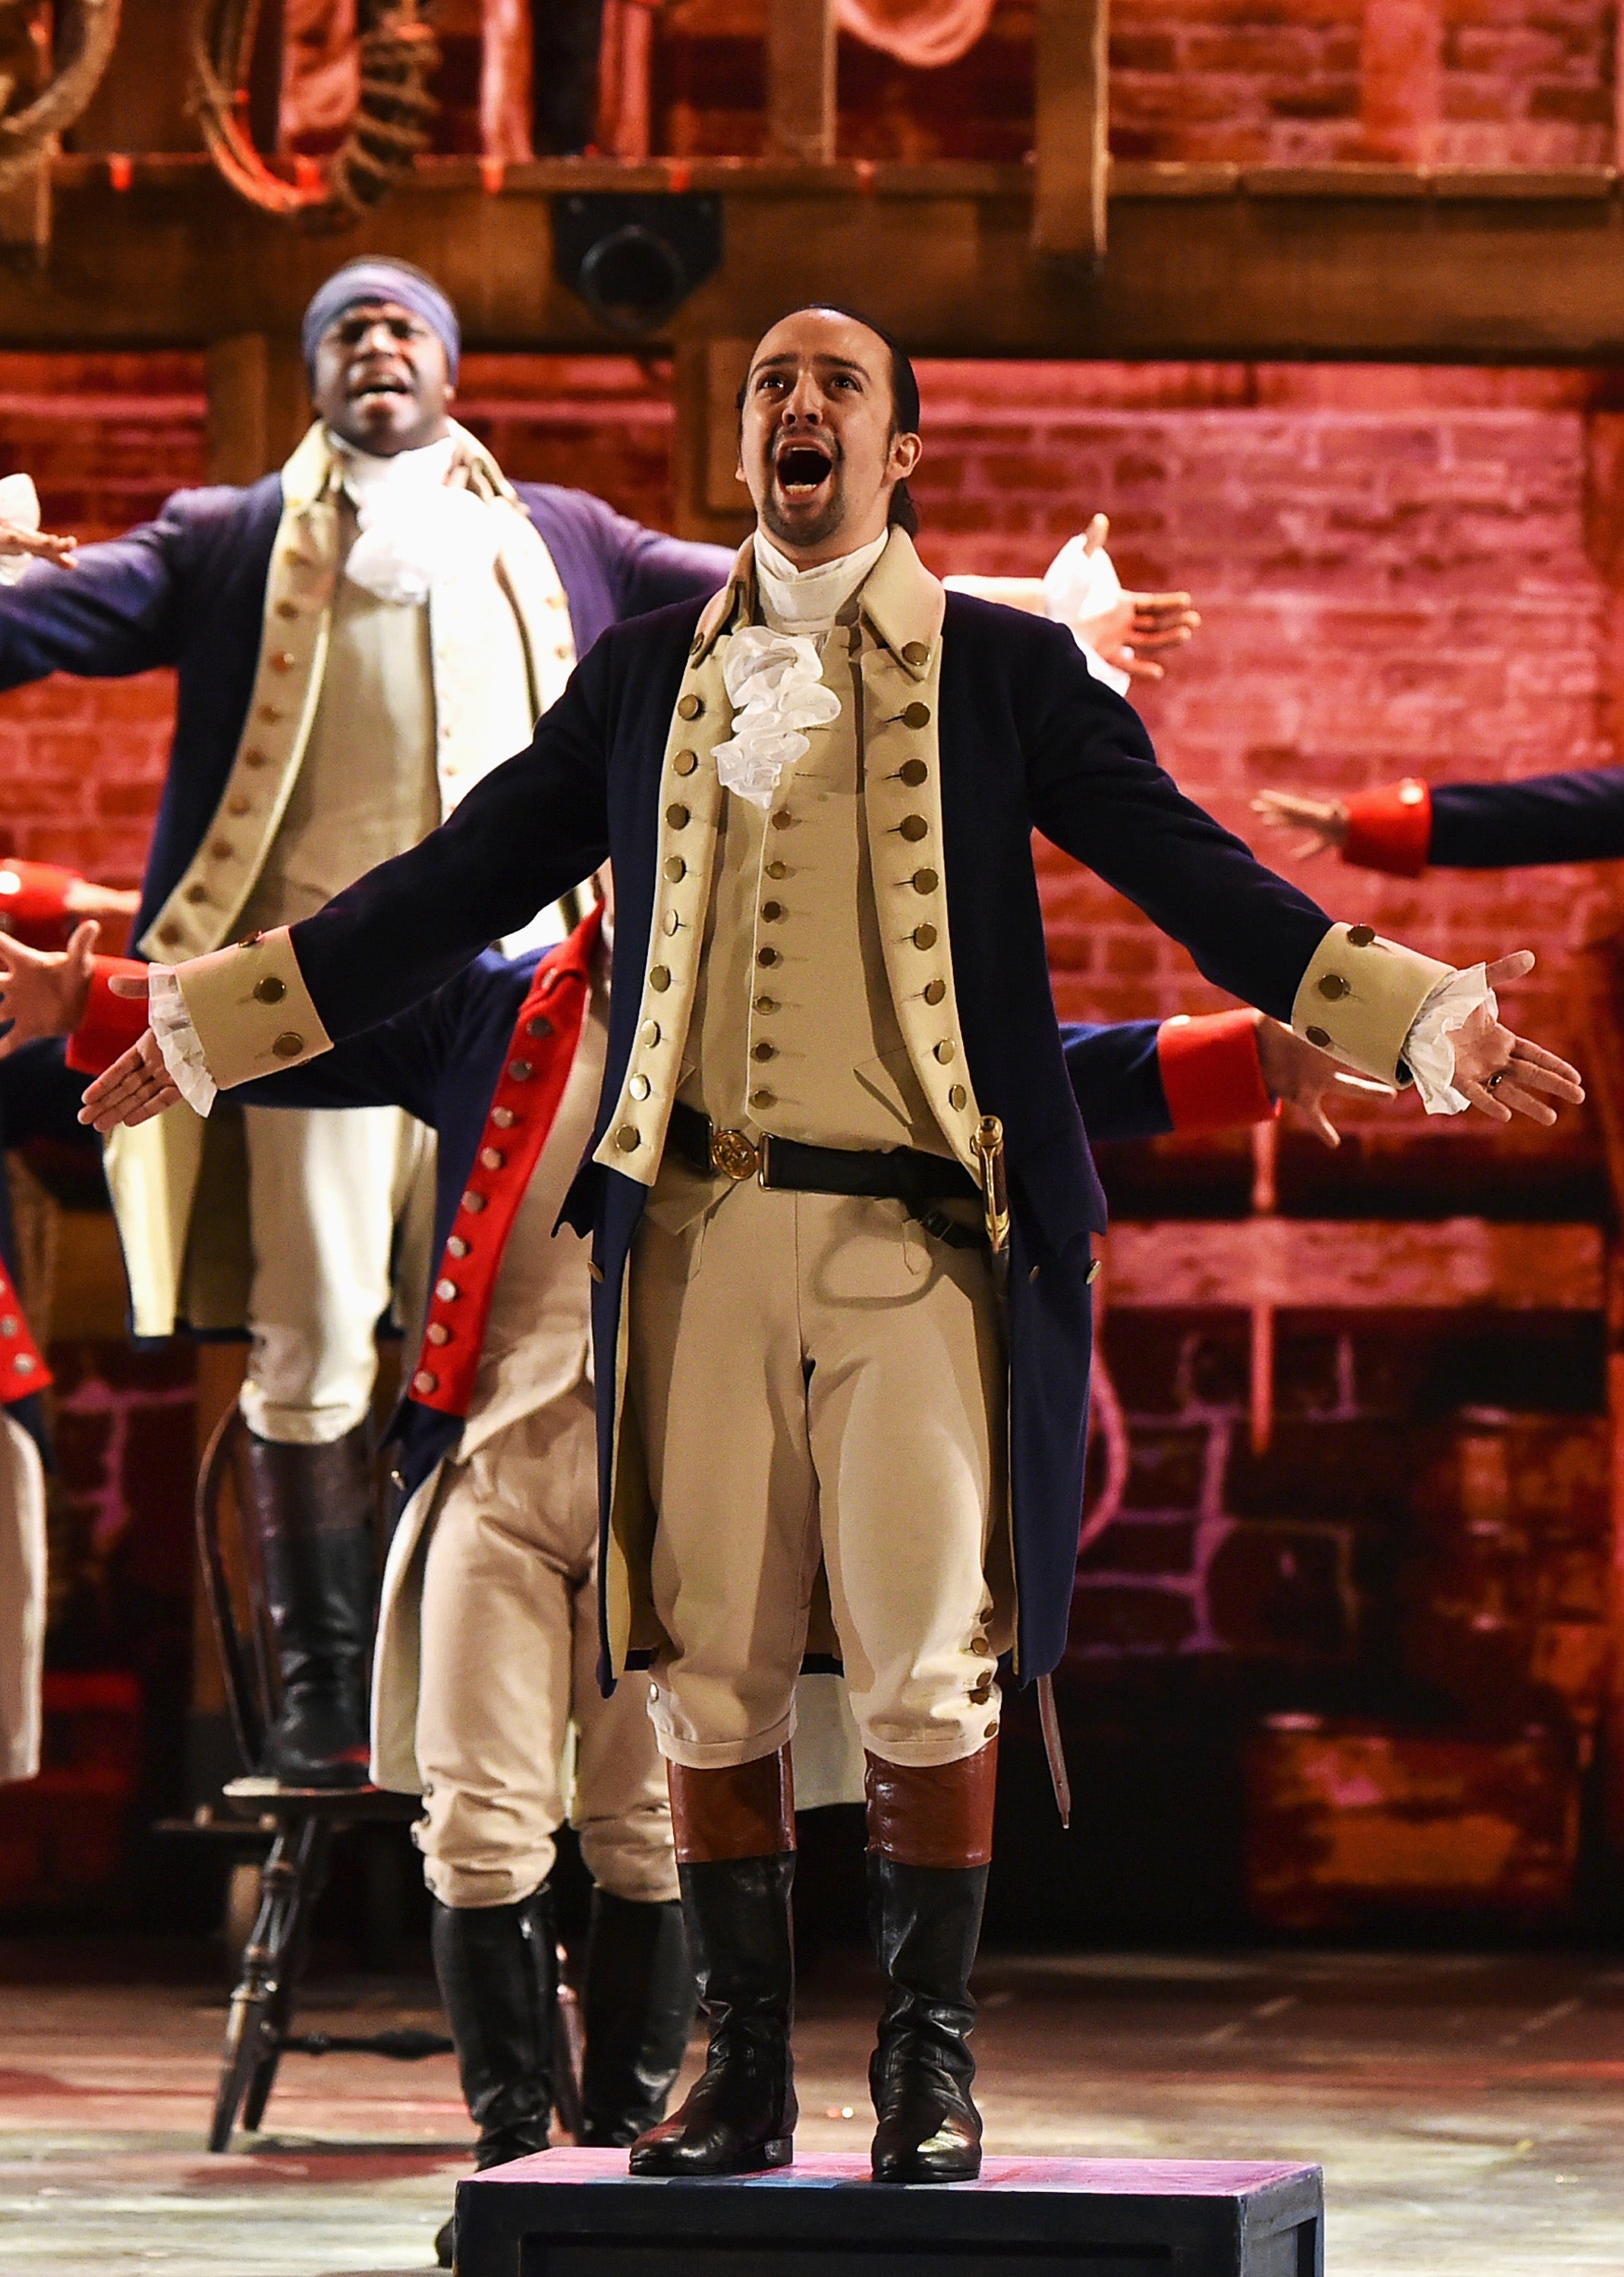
[[741, 2116], [638, 2004], [498, 1971], [310, 1512], [926, 1921]]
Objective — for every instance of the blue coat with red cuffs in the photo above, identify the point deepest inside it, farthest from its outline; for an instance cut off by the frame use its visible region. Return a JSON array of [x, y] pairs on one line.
[[1406, 827]]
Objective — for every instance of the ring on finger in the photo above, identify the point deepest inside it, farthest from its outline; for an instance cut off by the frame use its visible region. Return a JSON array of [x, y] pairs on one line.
[[1495, 1081]]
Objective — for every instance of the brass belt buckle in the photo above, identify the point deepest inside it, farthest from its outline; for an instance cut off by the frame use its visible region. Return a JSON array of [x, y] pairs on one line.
[[733, 1155], [988, 1147]]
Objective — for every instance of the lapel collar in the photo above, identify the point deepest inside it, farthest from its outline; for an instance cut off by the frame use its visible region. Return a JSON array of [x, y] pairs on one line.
[[723, 610], [904, 605]]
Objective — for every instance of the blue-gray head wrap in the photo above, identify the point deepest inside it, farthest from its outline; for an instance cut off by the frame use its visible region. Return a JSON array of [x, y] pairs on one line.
[[381, 280]]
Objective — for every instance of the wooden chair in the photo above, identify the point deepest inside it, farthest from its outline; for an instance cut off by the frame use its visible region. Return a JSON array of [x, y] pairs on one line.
[[302, 1822]]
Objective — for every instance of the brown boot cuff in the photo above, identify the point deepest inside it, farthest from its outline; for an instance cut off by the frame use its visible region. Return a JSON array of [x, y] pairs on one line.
[[742, 1810], [933, 1814]]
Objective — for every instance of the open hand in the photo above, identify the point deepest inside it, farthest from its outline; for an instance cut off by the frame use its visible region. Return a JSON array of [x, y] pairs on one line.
[[1139, 626], [1502, 1073], [41, 545], [43, 992], [84, 898], [1304, 1078], [1324, 819], [138, 1086]]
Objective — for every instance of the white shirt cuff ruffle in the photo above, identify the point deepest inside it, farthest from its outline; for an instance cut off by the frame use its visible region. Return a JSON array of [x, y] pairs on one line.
[[1080, 587], [1428, 1052], [19, 505], [177, 1040]]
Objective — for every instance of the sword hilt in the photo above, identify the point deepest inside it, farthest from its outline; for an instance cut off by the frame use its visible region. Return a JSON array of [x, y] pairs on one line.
[[988, 1146]]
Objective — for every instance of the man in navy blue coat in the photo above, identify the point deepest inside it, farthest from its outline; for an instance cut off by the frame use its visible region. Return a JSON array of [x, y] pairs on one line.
[[356, 639], [840, 1194], [1410, 825]]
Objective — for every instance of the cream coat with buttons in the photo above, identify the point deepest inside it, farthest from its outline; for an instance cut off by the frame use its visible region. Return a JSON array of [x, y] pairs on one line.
[[154, 1172]]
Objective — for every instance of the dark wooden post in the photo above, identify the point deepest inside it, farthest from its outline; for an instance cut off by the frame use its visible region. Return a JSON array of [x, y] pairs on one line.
[[1074, 152], [801, 80]]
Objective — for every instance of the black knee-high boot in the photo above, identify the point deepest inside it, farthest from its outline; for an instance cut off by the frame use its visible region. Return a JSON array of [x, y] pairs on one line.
[[497, 1967], [638, 2001], [309, 1510], [736, 1861], [930, 1832]]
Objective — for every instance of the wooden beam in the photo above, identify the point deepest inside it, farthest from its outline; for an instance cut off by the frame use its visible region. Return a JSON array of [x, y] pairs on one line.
[[1383, 262], [1073, 148], [258, 406], [1333, 1266], [710, 504], [801, 80]]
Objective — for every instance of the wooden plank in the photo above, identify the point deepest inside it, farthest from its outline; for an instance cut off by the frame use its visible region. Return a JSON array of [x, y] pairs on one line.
[[943, 255], [801, 79], [258, 404], [1320, 1265], [1074, 154]]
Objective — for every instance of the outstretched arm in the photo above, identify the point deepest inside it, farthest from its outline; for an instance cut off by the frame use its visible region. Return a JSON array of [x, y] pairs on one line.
[[1402, 827], [1124, 632]]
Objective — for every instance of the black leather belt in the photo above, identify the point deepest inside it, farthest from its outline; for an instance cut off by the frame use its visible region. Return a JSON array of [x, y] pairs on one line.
[[901, 1174]]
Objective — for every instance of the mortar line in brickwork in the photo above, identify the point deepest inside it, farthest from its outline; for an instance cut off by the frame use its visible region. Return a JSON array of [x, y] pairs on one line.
[[1213, 1528], [96, 1396]]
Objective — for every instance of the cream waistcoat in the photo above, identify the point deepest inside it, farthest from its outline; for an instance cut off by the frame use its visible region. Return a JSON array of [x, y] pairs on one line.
[[793, 1030], [875, 905]]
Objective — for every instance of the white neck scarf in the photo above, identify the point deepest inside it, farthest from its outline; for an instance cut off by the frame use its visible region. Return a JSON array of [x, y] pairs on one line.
[[417, 529], [806, 600]]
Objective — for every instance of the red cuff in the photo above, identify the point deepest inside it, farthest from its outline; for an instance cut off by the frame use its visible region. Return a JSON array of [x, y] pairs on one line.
[[1212, 1073], [1391, 829], [111, 1023], [34, 901], [22, 1367]]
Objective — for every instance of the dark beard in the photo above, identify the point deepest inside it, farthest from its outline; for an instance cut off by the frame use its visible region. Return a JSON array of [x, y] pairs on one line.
[[806, 533]]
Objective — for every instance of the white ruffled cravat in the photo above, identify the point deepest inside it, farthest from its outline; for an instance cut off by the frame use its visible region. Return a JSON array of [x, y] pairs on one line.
[[774, 683], [417, 529]]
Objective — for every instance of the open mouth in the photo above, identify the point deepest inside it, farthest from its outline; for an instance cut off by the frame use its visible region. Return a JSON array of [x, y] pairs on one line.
[[802, 469], [377, 385]]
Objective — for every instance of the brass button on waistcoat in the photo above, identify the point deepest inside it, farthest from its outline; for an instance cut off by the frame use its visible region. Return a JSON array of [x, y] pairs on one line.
[[913, 828], [944, 1051], [520, 1071], [1333, 987], [782, 821], [271, 711], [676, 817], [1318, 1036], [491, 1158], [766, 1003], [915, 652], [169, 935], [763, 1051], [673, 923], [923, 936], [255, 759], [239, 805], [917, 715], [221, 849], [502, 1117], [289, 1045], [676, 870], [935, 990], [925, 881], [762, 1098], [776, 869], [639, 1086], [287, 608], [197, 893], [659, 979], [270, 990], [772, 911], [690, 707], [649, 1034], [283, 661], [913, 773], [958, 1096], [684, 763], [628, 1138], [1361, 936], [767, 957]]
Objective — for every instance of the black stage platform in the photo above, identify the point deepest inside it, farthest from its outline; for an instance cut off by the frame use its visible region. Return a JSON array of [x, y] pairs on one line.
[[577, 2214]]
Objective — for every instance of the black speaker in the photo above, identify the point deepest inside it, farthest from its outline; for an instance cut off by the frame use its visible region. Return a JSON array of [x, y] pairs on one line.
[[634, 257]]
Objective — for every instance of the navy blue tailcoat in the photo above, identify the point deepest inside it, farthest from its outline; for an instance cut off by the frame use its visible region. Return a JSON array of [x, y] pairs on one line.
[[1027, 739], [1575, 816], [188, 590]]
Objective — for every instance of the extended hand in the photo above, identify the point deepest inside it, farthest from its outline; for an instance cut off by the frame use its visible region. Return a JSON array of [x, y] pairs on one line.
[[1304, 1078], [44, 545], [1325, 819], [1134, 628], [43, 992], [1502, 1074], [137, 1086], [84, 898]]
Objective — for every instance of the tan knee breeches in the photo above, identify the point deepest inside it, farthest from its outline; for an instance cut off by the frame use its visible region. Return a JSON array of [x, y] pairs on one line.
[[815, 1376], [509, 1662]]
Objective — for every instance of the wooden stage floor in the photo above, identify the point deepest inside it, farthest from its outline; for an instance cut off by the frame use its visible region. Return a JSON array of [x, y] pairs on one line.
[[1469, 2112]]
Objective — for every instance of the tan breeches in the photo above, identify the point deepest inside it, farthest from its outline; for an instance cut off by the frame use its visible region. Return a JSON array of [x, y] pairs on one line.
[[510, 1643], [329, 1189], [813, 1376]]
